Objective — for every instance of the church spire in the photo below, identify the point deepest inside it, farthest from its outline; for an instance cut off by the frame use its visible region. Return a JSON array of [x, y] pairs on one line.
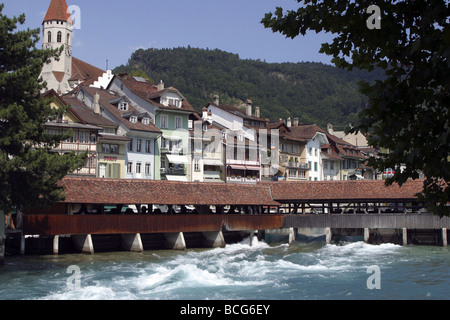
[[58, 10]]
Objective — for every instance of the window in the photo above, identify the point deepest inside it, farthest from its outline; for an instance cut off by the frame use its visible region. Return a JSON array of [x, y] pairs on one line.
[[138, 167], [331, 165], [130, 145], [84, 137], [148, 168], [325, 165], [145, 121], [49, 36], [75, 136], [68, 39], [148, 146], [133, 119], [196, 165], [164, 121], [59, 38], [315, 166], [139, 145], [123, 106], [110, 148], [178, 122], [130, 167], [292, 173]]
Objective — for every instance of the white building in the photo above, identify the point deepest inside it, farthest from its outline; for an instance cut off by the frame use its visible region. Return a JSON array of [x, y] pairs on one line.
[[137, 127]]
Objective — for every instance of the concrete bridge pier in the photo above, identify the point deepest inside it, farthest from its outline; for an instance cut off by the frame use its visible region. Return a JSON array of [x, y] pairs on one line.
[[275, 235], [444, 237], [175, 241], [213, 239], [132, 242], [328, 235], [83, 243], [2, 237]]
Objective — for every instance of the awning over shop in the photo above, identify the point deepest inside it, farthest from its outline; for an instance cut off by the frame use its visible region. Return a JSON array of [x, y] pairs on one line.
[[212, 162], [176, 178], [177, 159], [236, 167], [252, 168]]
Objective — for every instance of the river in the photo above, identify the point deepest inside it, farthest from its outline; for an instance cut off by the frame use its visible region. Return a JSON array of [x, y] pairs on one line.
[[300, 271]]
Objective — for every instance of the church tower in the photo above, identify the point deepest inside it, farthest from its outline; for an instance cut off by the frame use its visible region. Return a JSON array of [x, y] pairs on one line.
[[57, 32]]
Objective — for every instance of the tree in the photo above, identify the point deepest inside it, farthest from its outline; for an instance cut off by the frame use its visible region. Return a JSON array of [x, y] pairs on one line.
[[29, 171], [408, 111]]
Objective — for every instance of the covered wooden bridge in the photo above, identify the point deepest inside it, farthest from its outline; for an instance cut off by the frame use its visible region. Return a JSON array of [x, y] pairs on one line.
[[135, 209]]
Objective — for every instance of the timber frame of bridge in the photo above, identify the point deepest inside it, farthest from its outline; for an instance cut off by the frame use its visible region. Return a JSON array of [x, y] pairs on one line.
[[93, 206]]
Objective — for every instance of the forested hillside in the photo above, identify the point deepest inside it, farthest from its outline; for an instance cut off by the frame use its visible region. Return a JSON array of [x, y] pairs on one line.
[[313, 92]]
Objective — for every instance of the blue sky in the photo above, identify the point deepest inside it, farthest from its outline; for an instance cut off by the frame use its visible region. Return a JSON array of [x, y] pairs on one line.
[[112, 30]]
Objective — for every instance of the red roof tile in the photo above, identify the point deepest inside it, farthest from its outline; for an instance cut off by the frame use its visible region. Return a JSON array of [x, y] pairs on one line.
[[82, 71], [58, 10], [344, 190], [123, 191]]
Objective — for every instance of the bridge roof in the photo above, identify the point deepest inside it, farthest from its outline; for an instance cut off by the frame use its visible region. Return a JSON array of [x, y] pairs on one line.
[[358, 190], [127, 191]]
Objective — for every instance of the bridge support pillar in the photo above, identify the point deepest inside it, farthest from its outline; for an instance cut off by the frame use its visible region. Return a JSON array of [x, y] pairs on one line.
[[280, 234], [83, 243], [444, 237], [22, 243], [2, 237], [405, 236], [56, 244], [132, 242], [213, 239], [366, 235], [175, 241], [328, 235]]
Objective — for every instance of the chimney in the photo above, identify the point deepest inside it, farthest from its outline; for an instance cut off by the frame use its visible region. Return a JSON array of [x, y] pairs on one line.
[[160, 85], [295, 122], [96, 103], [330, 128], [248, 107], [216, 99], [204, 113], [289, 122], [257, 112]]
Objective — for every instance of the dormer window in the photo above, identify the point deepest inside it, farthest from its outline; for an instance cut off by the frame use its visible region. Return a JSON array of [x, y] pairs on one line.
[[123, 106], [145, 121], [133, 119]]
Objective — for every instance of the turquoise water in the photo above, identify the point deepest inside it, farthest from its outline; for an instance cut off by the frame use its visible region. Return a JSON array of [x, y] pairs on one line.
[[300, 271]]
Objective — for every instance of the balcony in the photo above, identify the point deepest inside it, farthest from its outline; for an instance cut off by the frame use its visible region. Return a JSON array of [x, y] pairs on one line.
[[298, 165], [71, 146], [173, 171]]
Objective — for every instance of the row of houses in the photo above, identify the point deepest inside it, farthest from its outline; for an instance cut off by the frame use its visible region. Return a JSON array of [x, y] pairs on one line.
[[135, 129]]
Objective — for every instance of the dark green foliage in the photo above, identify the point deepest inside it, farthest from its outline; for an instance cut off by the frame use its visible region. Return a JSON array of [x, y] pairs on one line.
[[408, 111], [28, 170], [313, 92]]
